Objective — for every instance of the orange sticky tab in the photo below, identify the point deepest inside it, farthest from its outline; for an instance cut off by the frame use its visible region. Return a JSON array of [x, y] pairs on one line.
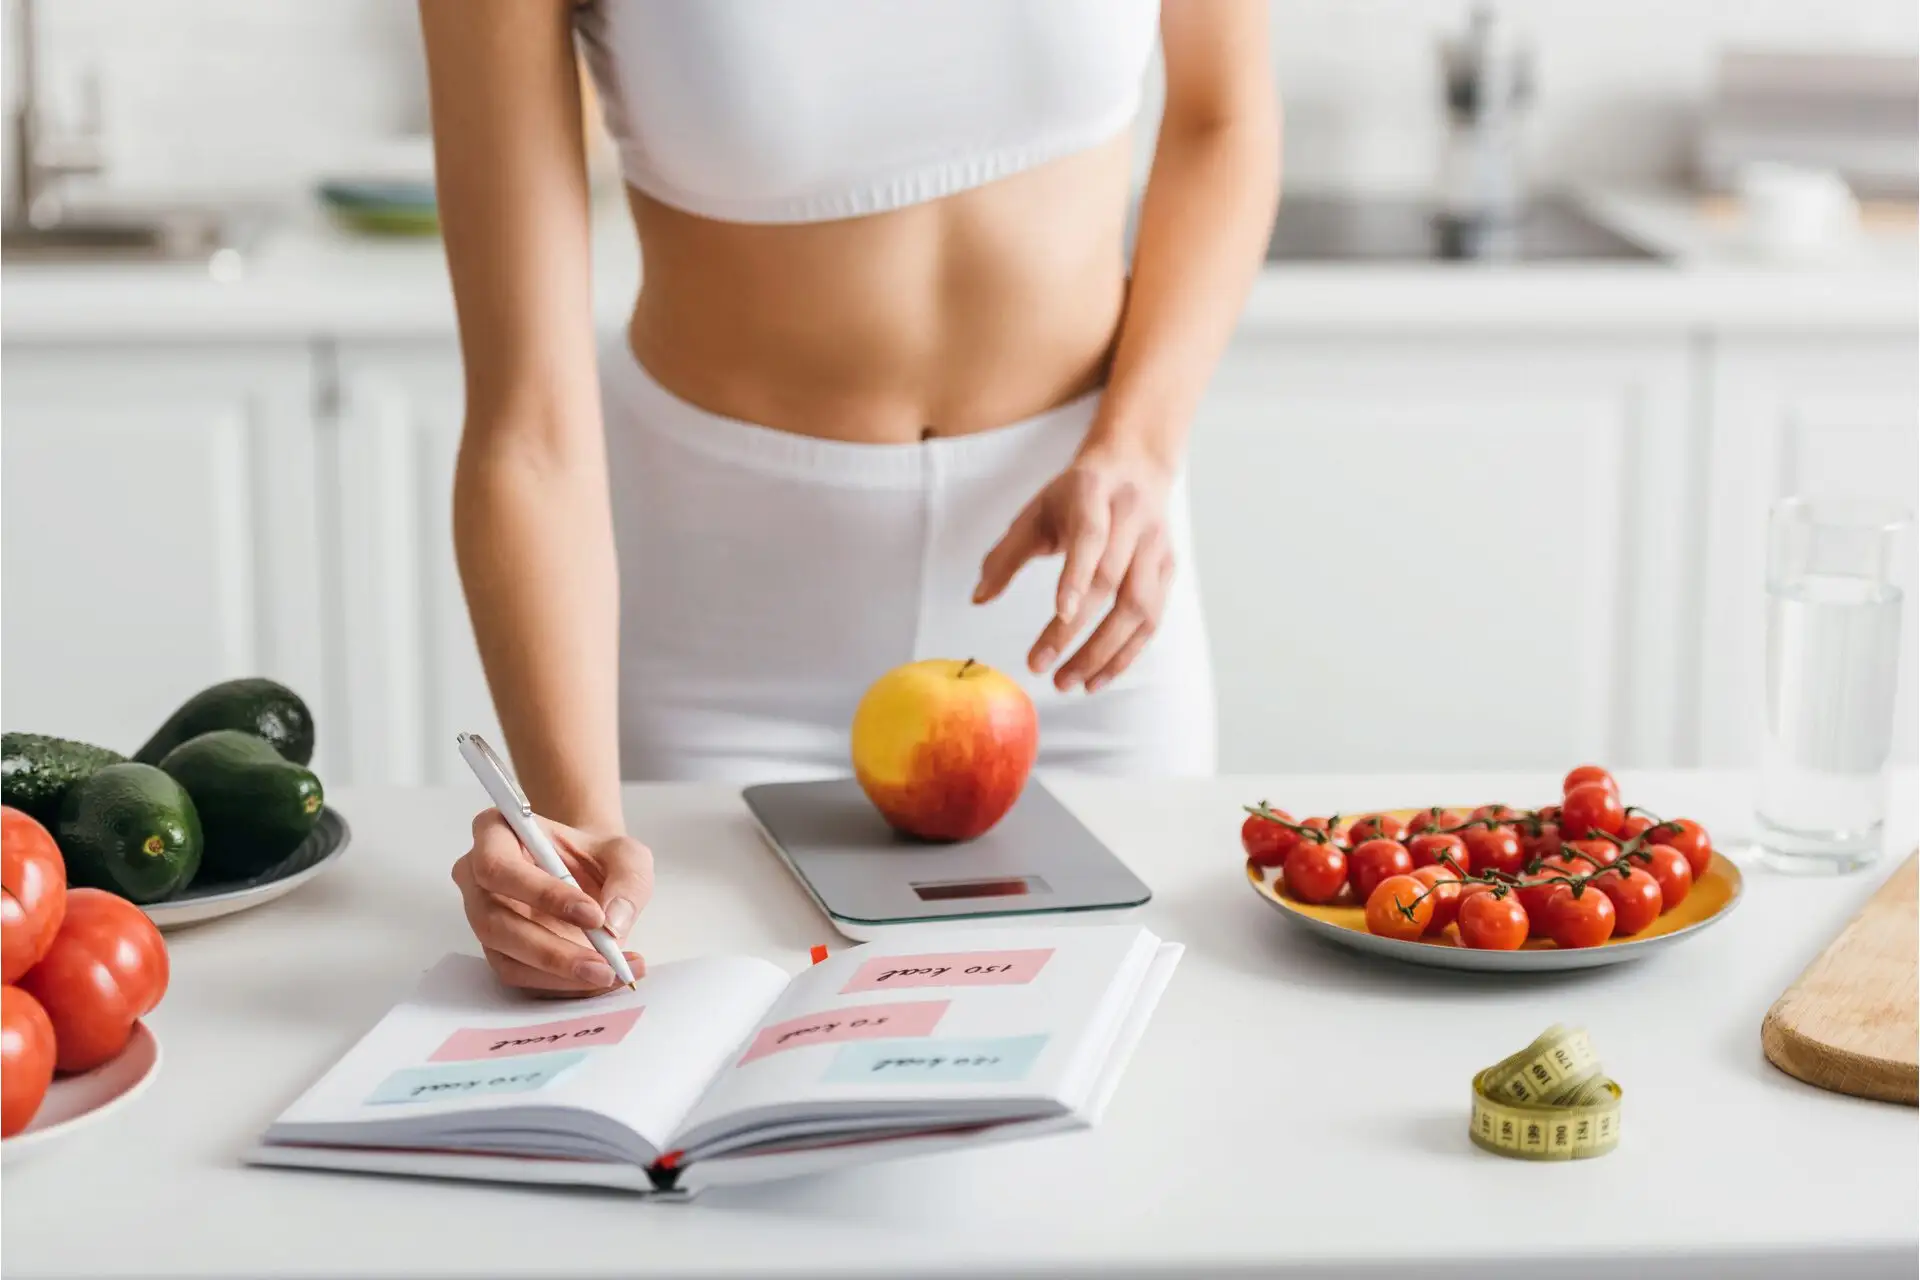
[[819, 953], [672, 1159]]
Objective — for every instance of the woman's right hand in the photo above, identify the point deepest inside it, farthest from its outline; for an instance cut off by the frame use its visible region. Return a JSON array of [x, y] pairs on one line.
[[530, 924]]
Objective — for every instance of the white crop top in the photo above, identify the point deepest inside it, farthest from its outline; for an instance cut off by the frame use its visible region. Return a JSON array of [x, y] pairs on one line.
[[810, 110]]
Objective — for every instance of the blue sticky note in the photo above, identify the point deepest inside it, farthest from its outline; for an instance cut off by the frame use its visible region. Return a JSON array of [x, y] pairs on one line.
[[454, 1080], [927, 1060]]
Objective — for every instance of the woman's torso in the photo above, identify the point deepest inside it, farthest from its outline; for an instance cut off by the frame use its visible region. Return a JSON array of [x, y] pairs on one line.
[[874, 219]]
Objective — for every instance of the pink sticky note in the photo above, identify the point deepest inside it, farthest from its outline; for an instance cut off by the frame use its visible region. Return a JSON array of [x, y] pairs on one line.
[[541, 1037], [855, 1022], [952, 969]]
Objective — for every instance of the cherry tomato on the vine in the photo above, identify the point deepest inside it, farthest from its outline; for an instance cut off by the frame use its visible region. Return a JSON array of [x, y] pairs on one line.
[[1492, 922], [1690, 838], [1315, 871], [1591, 807], [1336, 834], [1671, 871], [1434, 819], [1633, 825], [1542, 840], [1429, 847], [1497, 812], [1588, 854], [1446, 889], [1579, 917], [1267, 842], [1548, 813], [1376, 826], [1635, 896], [1585, 774], [1534, 896], [1374, 861], [1399, 907], [1493, 849]]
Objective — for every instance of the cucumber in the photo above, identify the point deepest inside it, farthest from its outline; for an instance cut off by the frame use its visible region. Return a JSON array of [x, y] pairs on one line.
[[255, 807], [264, 708], [131, 830], [36, 771]]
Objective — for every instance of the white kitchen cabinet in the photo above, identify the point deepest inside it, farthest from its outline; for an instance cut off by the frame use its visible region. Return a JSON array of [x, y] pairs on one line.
[[1445, 553], [160, 533], [410, 669], [1820, 417]]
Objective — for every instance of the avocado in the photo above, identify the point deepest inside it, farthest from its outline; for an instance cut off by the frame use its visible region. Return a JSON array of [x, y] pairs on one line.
[[255, 807], [131, 830], [264, 708], [36, 770]]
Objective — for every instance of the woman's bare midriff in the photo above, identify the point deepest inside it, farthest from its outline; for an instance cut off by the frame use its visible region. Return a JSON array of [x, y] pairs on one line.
[[944, 318]]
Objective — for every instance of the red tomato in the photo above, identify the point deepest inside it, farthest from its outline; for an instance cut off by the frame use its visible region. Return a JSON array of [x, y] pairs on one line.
[[1579, 917], [1534, 897], [1672, 872], [1434, 819], [1493, 849], [1498, 812], [1375, 826], [33, 893], [1489, 922], [1586, 773], [1635, 896], [1690, 838], [1635, 824], [1337, 835], [26, 1058], [1373, 862], [1589, 808], [1588, 854], [1539, 840], [1445, 896], [1399, 908], [1548, 813], [1429, 847], [1315, 872], [106, 968], [1265, 841]]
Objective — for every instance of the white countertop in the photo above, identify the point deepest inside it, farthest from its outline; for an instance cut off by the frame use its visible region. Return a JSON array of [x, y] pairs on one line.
[[1294, 1108], [307, 280]]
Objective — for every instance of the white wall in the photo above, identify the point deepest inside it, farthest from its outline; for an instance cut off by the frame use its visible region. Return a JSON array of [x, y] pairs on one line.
[[259, 94]]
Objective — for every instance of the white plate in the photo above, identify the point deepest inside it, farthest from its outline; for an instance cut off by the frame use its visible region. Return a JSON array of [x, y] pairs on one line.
[[320, 850], [75, 1102]]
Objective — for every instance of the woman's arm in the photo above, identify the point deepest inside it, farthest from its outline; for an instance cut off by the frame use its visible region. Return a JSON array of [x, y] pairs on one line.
[[532, 526], [1204, 223]]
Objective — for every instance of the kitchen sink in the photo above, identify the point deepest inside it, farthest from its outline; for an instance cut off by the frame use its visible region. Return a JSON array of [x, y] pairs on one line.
[[160, 235], [1343, 229]]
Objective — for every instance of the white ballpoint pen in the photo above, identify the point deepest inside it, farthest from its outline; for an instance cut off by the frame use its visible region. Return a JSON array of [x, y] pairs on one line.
[[512, 804]]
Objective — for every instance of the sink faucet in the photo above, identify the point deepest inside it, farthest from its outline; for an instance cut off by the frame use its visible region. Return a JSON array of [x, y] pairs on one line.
[[42, 159]]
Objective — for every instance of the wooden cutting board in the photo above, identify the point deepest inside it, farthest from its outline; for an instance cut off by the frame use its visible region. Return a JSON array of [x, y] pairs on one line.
[[1849, 1023]]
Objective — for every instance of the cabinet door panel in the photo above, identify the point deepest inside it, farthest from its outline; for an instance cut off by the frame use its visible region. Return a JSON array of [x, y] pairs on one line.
[[159, 533], [413, 672], [1439, 556]]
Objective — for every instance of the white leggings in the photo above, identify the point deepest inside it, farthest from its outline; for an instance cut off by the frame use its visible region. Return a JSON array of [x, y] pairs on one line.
[[766, 579]]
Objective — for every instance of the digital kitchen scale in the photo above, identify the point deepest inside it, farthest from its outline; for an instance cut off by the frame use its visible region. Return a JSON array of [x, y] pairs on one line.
[[1037, 861]]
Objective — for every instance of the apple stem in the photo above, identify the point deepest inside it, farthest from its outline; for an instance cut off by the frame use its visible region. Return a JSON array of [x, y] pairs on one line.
[[964, 668]]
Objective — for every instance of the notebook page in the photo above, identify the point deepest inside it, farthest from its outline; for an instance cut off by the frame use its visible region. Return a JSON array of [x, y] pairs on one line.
[[940, 1021], [463, 1047]]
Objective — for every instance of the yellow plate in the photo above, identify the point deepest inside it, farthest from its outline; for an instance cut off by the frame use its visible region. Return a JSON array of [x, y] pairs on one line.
[[1714, 895]]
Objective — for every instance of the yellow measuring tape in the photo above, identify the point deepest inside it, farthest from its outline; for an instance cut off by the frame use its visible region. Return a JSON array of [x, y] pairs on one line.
[[1550, 1101]]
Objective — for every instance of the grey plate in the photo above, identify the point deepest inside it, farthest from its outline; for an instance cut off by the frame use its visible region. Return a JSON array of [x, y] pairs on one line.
[[1542, 960], [210, 899]]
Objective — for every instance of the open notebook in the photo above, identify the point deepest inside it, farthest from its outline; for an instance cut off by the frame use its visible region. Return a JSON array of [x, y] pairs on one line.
[[729, 1069]]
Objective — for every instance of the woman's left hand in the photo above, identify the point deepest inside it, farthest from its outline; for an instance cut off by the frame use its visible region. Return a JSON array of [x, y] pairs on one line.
[[1107, 513]]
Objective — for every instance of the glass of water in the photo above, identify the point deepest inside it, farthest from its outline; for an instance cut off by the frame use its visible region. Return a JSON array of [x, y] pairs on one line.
[[1834, 602]]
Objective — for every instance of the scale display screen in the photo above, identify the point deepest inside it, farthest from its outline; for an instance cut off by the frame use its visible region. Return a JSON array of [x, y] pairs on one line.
[[1002, 887]]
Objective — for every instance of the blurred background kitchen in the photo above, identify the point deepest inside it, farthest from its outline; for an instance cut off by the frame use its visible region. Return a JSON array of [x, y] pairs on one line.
[[1561, 298]]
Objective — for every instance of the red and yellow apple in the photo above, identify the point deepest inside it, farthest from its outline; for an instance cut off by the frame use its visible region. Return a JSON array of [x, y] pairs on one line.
[[943, 747]]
